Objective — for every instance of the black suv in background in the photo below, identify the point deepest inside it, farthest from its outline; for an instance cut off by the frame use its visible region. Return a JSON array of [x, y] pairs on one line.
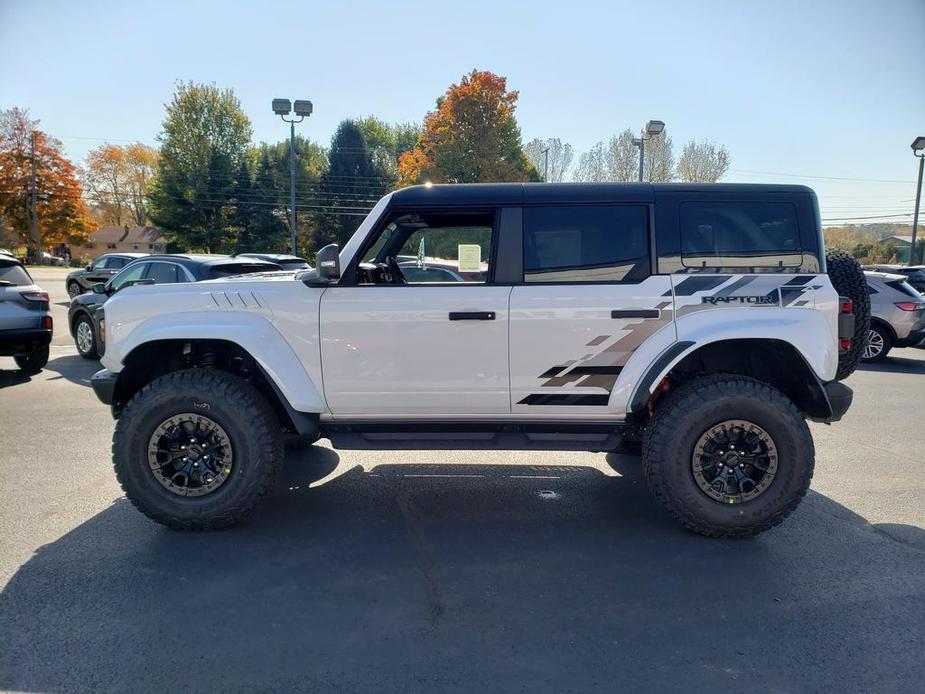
[[100, 270], [85, 315], [284, 260]]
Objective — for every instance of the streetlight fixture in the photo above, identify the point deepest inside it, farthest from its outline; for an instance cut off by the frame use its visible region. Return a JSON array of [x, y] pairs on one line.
[[918, 145], [653, 128], [303, 109]]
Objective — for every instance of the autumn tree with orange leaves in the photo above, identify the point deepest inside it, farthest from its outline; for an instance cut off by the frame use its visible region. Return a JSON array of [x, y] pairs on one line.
[[117, 180], [471, 137], [62, 214]]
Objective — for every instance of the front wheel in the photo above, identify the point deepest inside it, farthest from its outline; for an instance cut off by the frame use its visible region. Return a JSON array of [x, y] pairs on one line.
[[728, 456], [85, 338], [197, 449], [74, 289]]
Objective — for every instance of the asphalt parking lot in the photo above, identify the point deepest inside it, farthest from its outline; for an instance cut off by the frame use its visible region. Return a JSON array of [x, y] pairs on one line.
[[451, 571]]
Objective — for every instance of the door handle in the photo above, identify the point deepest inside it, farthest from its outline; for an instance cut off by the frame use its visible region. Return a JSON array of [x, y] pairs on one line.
[[636, 313], [472, 315]]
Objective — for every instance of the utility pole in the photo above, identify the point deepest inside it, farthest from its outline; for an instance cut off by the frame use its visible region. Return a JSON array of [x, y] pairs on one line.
[[33, 200], [303, 109], [917, 146], [640, 142], [546, 165], [292, 239]]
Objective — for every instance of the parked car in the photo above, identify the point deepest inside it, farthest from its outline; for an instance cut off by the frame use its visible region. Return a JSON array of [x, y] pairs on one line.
[[706, 321], [25, 319], [102, 269], [914, 274], [897, 315], [84, 317], [418, 274], [285, 261]]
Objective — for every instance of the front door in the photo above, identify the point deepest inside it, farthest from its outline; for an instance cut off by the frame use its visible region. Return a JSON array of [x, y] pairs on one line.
[[418, 328], [587, 302]]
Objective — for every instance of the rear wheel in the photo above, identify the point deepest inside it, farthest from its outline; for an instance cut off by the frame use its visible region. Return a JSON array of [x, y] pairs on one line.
[[728, 456], [34, 361], [878, 345], [848, 279], [84, 337], [197, 449]]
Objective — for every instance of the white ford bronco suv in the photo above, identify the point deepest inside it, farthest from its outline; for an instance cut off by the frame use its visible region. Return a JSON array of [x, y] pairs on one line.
[[699, 321]]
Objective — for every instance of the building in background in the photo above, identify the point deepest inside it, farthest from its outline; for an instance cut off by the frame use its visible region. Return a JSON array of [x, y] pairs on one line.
[[127, 239]]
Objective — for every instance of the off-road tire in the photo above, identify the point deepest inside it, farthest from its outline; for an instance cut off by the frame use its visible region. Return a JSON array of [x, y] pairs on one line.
[[93, 351], [34, 361], [235, 405], [848, 279], [887, 343], [687, 413]]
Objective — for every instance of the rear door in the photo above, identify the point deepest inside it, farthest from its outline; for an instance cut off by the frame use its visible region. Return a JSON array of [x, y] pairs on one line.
[[587, 301]]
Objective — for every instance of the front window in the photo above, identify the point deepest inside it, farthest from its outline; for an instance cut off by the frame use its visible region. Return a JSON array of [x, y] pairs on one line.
[[129, 274], [431, 248]]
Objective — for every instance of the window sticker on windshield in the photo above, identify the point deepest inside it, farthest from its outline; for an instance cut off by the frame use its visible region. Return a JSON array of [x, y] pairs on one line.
[[470, 257]]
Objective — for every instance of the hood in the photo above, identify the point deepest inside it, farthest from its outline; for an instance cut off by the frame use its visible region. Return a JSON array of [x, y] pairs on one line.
[[88, 299], [275, 275]]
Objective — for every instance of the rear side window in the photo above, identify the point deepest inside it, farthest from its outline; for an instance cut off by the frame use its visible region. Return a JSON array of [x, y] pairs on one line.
[[163, 273], [240, 269], [113, 263], [586, 243], [745, 234], [15, 274], [904, 288]]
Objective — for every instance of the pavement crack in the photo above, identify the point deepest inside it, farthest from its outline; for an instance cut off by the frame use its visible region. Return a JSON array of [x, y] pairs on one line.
[[425, 559]]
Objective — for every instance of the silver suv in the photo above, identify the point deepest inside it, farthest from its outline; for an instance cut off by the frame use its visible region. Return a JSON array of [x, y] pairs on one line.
[[897, 315], [25, 320]]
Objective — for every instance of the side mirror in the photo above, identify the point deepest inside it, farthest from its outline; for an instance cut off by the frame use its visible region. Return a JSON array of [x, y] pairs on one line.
[[99, 288], [328, 262], [89, 266]]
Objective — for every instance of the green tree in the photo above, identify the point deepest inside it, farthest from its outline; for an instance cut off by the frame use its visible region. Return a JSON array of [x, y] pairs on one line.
[[204, 141], [259, 227], [386, 143], [273, 187], [355, 180]]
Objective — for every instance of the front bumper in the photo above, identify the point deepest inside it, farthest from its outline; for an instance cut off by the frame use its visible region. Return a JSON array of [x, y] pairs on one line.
[[14, 342], [104, 385]]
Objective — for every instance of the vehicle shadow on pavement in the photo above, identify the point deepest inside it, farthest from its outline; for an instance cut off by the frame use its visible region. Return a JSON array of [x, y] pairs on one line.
[[74, 368], [466, 578], [13, 376], [901, 365]]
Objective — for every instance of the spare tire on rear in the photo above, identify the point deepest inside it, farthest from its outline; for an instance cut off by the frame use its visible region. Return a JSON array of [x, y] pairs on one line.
[[848, 279]]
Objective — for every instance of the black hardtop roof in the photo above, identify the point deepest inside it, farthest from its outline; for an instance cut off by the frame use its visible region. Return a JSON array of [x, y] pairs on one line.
[[519, 193]]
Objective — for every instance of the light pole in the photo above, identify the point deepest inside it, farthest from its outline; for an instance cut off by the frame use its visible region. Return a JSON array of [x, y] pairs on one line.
[[653, 128], [303, 109], [918, 145], [546, 165]]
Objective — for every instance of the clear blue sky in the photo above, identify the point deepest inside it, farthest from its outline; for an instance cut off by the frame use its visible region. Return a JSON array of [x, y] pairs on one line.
[[812, 89]]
